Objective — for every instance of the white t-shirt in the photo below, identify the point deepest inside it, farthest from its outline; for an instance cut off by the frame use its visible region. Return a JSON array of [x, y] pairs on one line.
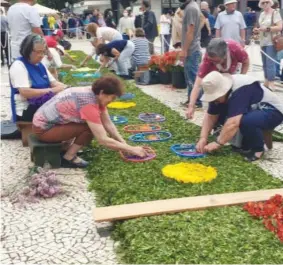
[[22, 18], [265, 21], [56, 61], [125, 24], [20, 79], [165, 23], [107, 33]]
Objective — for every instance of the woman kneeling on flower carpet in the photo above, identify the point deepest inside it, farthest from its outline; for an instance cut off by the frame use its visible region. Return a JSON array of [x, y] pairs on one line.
[[81, 113], [246, 105]]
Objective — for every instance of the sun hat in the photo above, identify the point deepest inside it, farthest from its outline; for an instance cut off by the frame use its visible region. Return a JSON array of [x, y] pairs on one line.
[[261, 1], [227, 2], [216, 85]]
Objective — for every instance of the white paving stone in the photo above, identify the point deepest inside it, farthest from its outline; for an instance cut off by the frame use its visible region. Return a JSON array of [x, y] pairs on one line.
[[46, 232]]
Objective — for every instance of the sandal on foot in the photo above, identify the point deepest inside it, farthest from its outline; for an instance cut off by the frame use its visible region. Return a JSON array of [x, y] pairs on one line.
[[71, 164]]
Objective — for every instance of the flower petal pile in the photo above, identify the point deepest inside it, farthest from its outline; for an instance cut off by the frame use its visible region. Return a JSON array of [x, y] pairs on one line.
[[121, 105], [189, 172], [271, 212]]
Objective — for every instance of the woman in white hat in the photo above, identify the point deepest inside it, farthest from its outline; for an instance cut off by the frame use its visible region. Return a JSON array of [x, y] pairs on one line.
[[246, 105], [270, 24]]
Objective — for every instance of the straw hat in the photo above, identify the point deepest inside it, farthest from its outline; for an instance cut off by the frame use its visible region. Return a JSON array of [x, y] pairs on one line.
[[216, 85], [260, 3], [227, 2]]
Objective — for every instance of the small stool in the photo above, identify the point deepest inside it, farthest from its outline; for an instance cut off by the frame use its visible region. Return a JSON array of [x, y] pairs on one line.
[[41, 152], [26, 129]]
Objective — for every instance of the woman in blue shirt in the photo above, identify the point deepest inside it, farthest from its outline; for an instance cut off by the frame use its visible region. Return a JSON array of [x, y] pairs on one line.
[[120, 51], [31, 83]]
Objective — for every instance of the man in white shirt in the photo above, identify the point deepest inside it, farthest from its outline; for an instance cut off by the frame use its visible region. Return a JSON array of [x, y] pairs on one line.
[[230, 24], [23, 20]]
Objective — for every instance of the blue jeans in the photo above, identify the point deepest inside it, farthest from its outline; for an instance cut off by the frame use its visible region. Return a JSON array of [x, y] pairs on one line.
[[191, 69], [269, 67], [252, 125], [166, 42]]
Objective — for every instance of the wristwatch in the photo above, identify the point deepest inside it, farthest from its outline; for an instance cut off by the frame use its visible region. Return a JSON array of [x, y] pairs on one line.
[[268, 29]]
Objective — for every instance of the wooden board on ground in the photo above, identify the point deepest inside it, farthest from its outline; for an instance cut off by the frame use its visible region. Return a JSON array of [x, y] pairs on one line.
[[134, 210]]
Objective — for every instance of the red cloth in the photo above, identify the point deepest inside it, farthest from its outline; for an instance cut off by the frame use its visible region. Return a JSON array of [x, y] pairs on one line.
[[51, 41], [238, 55], [92, 113]]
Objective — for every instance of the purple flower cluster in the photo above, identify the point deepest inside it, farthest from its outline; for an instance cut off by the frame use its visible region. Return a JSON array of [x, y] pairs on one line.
[[43, 184]]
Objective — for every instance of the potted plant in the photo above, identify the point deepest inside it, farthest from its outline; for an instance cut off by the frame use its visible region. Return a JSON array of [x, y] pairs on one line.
[[154, 63], [178, 76], [165, 67]]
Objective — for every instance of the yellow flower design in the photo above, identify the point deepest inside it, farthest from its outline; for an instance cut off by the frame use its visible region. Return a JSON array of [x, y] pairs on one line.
[[189, 172], [121, 105]]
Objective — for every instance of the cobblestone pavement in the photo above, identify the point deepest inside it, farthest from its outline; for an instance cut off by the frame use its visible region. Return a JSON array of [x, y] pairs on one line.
[[60, 230]]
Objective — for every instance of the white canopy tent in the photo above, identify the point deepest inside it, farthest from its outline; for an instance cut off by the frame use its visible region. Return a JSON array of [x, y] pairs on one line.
[[43, 10]]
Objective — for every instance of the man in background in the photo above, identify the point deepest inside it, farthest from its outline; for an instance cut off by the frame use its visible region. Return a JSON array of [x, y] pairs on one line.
[[191, 45], [250, 19], [204, 6], [23, 19], [94, 18], [4, 40], [149, 25], [139, 19], [230, 24]]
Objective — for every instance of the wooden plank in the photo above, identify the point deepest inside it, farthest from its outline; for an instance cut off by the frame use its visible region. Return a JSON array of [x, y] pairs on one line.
[[134, 210]]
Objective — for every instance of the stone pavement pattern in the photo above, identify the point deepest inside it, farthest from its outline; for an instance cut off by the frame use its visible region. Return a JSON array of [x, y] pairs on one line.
[[61, 230]]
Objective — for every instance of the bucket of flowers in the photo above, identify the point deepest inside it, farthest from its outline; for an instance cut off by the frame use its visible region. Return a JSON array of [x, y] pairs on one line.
[[165, 69], [177, 69], [154, 65]]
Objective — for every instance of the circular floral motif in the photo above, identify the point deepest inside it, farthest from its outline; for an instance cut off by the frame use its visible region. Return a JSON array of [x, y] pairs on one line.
[[121, 105], [189, 172]]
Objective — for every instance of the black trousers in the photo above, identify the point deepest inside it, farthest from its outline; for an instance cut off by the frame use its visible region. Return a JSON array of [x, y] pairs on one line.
[[28, 113], [4, 47]]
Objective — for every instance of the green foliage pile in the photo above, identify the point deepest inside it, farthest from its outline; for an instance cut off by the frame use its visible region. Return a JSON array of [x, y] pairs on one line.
[[220, 235]]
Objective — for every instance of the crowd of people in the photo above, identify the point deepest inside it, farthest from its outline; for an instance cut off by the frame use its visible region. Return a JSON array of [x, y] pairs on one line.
[[244, 108]]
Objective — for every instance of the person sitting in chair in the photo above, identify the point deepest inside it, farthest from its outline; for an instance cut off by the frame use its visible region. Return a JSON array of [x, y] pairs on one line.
[[31, 83], [81, 113], [246, 105]]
